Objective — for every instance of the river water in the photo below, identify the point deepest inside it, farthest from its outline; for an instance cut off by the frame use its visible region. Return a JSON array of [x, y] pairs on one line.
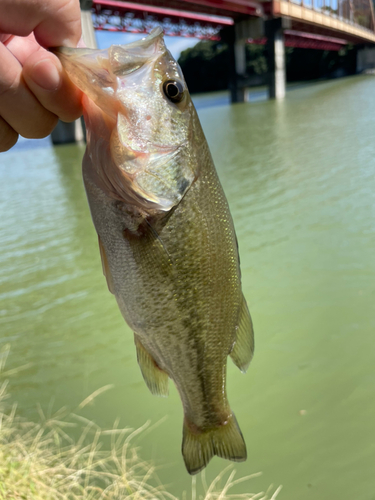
[[299, 177]]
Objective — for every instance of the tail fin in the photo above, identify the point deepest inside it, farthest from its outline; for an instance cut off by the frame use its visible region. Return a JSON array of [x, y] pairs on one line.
[[225, 441]]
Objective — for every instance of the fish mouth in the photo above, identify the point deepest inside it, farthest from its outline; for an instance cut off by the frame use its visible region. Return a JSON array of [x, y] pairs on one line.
[[96, 71], [153, 38], [145, 46]]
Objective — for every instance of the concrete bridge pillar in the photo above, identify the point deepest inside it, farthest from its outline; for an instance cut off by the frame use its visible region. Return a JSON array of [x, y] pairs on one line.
[[365, 58], [237, 88], [65, 133], [276, 58], [236, 37]]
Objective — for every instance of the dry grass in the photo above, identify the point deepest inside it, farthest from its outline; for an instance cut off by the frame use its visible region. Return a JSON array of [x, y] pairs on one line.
[[41, 461]]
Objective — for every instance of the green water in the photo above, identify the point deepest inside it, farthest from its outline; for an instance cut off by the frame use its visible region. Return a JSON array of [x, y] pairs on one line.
[[299, 177]]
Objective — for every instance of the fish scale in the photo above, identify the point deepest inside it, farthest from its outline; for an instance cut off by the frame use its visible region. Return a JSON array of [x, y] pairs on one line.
[[169, 250]]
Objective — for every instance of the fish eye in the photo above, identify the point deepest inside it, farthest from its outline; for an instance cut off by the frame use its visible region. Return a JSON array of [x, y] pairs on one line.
[[174, 90]]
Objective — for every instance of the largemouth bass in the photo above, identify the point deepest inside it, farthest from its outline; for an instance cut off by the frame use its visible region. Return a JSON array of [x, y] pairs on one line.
[[166, 236]]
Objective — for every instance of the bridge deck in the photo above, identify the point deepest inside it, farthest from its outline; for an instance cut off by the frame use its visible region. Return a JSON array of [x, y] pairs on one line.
[[349, 20], [315, 21]]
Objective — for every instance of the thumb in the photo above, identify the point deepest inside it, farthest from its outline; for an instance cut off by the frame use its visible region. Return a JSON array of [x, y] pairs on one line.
[[47, 80]]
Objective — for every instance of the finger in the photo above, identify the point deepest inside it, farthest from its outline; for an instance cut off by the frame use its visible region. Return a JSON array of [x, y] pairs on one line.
[[8, 136], [55, 92], [23, 47], [54, 23], [18, 106], [41, 73]]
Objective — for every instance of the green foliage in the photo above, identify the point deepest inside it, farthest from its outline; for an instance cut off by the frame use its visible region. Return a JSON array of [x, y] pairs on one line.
[[206, 66], [310, 64], [256, 59]]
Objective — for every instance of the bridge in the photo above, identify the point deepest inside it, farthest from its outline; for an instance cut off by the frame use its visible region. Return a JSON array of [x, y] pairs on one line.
[[353, 19], [319, 24]]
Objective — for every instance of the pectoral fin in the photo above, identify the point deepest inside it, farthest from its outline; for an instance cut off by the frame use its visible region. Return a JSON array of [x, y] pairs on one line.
[[243, 348], [156, 379], [106, 270]]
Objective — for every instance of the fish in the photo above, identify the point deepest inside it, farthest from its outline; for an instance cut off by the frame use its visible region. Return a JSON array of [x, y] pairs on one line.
[[166, 236]]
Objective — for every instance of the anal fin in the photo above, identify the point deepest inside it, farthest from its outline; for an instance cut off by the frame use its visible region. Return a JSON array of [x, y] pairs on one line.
[[156, 379], [243, 348], [225, 441], [106, 270]]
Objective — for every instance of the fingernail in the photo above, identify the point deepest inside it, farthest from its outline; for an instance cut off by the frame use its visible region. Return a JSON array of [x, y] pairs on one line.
[[46, 75], [68, 43]]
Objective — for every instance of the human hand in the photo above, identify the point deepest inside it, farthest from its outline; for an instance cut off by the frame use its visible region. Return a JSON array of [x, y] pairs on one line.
[[34, 89]]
